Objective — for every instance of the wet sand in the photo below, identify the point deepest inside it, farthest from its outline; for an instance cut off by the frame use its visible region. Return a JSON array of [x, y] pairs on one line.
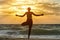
[[24, 39]]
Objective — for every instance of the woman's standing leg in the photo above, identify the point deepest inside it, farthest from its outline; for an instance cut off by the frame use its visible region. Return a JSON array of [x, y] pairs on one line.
[[30, 27]]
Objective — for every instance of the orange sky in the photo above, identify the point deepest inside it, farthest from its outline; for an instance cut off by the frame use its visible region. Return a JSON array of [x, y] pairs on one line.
[[36, 20], [12, 7]]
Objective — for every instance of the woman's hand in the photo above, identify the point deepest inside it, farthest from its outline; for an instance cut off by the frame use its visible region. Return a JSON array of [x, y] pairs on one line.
[[16, 15], [19, 15], [42, 14]]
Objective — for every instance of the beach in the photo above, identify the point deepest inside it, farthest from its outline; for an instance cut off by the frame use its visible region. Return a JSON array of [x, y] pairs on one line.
[[24, 39]]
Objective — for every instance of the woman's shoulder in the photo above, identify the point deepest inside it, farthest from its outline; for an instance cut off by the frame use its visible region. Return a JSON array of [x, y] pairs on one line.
[[28, 12]]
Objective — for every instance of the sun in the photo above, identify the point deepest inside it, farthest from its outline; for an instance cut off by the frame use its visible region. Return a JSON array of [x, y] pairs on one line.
[[25, 7]]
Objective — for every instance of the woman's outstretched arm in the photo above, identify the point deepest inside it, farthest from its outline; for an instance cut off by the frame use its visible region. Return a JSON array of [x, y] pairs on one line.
[[37, 15], [21, 15]]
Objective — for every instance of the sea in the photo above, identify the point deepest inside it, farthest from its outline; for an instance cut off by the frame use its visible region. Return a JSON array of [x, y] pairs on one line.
[[45, 31]]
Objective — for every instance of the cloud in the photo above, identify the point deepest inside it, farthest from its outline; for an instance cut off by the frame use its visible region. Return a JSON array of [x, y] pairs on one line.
[[49, 8], [45, 19], [5, 1]]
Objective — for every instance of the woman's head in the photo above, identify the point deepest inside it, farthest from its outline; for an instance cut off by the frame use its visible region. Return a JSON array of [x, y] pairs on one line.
[[28, 8]]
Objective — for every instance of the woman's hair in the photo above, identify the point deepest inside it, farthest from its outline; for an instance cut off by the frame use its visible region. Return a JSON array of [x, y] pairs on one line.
[[29, 8]]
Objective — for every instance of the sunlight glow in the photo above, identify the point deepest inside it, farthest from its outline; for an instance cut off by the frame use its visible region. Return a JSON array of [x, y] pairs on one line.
[[19, 7], [0, 7], [19, 13], [24, 10], [13, 8], [25, 7]]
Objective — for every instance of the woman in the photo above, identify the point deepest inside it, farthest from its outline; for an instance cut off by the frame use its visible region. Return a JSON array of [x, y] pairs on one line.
[[29, 20]]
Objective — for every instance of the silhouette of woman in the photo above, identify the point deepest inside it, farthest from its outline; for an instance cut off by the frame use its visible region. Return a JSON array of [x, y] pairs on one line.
[[29, 20]]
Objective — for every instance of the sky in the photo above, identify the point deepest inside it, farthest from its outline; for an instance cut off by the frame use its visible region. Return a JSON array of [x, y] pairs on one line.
[[8, 11]]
